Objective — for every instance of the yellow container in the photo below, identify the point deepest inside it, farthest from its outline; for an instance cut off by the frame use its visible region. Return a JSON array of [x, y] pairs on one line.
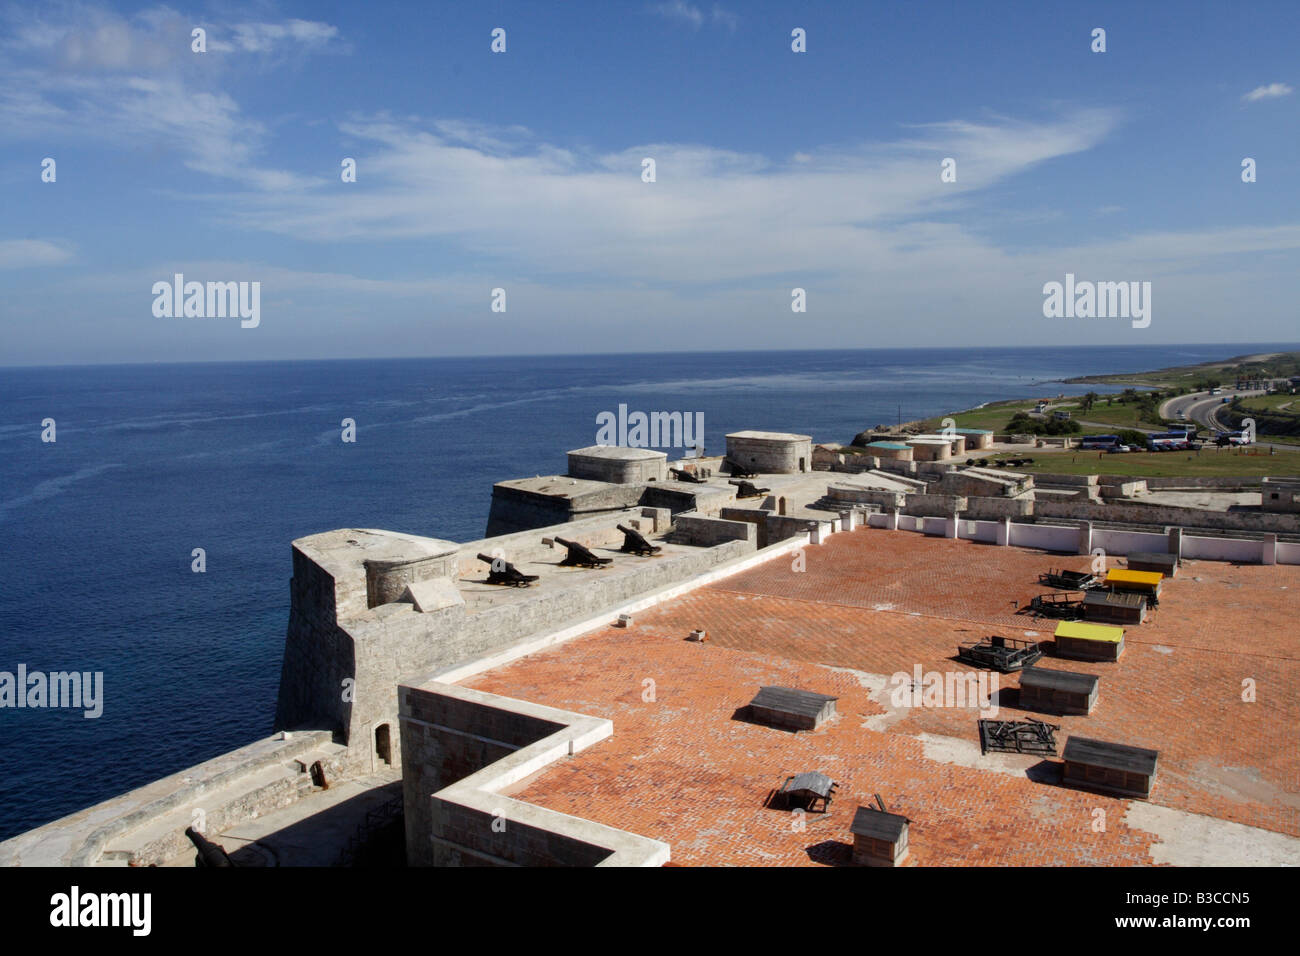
[[1125, 580], [1090, 632]]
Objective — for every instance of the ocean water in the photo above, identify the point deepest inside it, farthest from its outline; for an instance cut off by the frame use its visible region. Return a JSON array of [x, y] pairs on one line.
[[153, 461]]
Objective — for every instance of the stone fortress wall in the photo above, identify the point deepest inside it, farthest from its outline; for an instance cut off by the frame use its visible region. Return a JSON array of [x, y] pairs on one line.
[[382, 623]]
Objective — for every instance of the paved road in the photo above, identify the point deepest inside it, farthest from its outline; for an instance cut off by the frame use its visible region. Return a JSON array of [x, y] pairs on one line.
[[1200, 409], [1204, 411]]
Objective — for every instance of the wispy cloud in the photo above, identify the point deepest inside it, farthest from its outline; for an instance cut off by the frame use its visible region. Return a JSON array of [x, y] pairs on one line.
[[28, 253], [681, 11], [268, 37], [695, 17], [713, 215], [74, 72], [1269, 92], [725, 17]]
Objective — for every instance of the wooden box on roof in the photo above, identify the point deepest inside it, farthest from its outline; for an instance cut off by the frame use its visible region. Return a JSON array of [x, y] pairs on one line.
[[791, 708], [1138, 582], [1114, 607], [1058, 692], [1166, 564], [1089, 642], [1114, 768]]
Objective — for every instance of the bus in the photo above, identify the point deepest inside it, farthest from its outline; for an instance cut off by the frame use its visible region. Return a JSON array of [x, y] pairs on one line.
[[1096, 442], [1168, 441]]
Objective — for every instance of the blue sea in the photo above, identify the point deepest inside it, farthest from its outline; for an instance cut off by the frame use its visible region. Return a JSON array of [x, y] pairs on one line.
[[153, 461]]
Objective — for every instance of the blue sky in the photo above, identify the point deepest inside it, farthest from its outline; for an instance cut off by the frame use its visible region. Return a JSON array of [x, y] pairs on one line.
[[522, 171]]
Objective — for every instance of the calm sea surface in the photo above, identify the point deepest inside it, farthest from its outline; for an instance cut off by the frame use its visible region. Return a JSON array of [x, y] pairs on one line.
[[154, 461]]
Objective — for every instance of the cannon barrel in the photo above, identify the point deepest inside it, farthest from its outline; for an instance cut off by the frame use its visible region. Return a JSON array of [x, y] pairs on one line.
[[210, 854], [487, 558]]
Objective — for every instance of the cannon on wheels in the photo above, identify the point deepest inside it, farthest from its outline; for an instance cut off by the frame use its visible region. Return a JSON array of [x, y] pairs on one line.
[[635, 543], [746, 489], [740, 471], [686, 476], [580, 556], [503, 572]]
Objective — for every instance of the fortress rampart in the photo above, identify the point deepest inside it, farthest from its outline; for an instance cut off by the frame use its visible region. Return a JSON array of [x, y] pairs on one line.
[[383, 624]]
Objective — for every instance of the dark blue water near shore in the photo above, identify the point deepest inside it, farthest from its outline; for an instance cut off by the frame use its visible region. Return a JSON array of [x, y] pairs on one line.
[[151, 462]]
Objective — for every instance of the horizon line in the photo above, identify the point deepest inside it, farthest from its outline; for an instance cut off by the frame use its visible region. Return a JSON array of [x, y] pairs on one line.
[[418, 358]]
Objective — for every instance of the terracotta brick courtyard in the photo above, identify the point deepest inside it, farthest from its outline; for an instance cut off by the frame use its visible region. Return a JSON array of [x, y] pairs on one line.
[[872, 603]]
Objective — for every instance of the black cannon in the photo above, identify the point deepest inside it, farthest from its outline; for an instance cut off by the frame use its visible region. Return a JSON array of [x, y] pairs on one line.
[[580, 556], [210, 854], [635, 543], [746, 489], [686, 476], [503, 572], [740, 471]]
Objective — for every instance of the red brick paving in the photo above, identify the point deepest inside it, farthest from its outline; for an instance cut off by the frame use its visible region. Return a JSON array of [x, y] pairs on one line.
[[682, 770]]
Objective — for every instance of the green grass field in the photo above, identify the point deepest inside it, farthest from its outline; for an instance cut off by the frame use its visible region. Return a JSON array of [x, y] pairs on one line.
[[1250, 462], [1120, 416], [1287, 404], [1186, 376], [996, 415]]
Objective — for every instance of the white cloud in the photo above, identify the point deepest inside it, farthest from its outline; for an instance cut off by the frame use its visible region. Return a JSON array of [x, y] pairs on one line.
[[680, 10], [78, 72], [712, 216], [1272, 91], [266, 37], [725, 17], [28, 253]]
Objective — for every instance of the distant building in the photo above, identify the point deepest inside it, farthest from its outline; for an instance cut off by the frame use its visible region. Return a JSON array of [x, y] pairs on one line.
[[975, 437], [891, 449], [775, 453], [930, 449], [1279, 494]]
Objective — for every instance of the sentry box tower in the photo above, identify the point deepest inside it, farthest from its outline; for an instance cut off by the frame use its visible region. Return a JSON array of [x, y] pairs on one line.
[[1112, 768], [1089, 642], [879, 837], [1058, 692]]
